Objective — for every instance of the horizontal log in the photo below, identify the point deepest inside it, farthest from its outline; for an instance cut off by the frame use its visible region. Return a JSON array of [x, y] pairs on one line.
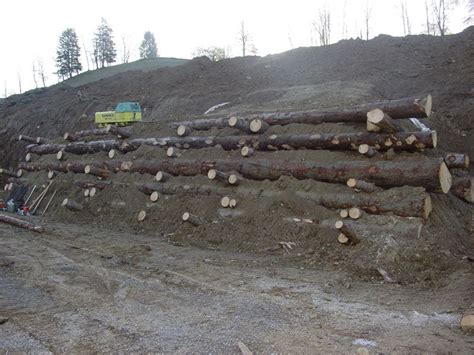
[[457, 161], [7, 172], [88, 184], [378, 121], [401, 108], [72, 205], [109, 130], [430, 173], [21, 223], [401, 201], [408, 141], [28, 139], [120, 132]]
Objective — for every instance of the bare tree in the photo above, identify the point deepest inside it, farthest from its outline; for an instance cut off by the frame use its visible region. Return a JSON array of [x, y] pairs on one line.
[[323, 26], [19, 81], [440, 8], [213, 53], [41, 72], [5, 88], [428, 20], [86, 54], [244, 38], [34, 76], [405, 18], [344, 20], [290, 40], [126, 50], [367, 15]]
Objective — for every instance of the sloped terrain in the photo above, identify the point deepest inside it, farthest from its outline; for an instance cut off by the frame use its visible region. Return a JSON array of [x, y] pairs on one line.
[[341, 75]]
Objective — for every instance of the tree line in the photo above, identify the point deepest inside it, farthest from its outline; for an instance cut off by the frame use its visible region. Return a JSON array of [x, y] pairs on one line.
[[104, 53]]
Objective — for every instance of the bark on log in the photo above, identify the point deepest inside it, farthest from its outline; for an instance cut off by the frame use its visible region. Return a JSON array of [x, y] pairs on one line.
[[463, 188], [161, 176], [121, 133], [88, 184], [467, 320], [409, 141], [8, 172], [349, 232], [457, 161], [401, 108], [193, 219], [430, 173], [72, 205], [362, 185], [401, 201], [92, 170], [379, 121], [21, 223]]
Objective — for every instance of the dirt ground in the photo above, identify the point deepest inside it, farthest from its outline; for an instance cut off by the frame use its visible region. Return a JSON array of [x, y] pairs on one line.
[[98, 280], [80, 288]]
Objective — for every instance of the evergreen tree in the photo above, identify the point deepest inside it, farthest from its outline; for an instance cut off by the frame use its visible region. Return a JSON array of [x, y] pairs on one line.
[[104, 46], [68, 54], [148, 47]]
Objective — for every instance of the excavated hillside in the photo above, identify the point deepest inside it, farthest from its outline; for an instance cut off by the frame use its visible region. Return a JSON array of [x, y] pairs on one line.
[[341, 75]]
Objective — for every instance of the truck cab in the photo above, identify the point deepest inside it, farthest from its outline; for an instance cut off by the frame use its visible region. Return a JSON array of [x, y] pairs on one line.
[[125, 113]]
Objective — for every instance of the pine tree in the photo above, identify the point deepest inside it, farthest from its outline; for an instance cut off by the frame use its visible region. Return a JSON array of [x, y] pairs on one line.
[[104, 46], [148, 47], [68, 54]]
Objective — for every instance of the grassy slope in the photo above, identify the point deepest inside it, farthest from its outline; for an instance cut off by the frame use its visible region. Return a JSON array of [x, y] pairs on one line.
[[143, 65]]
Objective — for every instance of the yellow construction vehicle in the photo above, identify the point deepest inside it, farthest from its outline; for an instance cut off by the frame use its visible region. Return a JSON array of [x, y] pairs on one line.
[[125, 113]]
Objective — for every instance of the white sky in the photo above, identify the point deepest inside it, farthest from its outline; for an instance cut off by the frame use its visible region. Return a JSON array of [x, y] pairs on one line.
[[30, 29]]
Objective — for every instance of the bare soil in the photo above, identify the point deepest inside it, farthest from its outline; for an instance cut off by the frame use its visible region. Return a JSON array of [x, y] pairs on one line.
[[99, 280]]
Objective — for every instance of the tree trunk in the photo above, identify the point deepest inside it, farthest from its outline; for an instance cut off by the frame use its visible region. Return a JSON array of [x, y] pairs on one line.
[[92, 170], [121, 133], [463, 188], [88, 184], [21, 223], [71, 205], [75, 148], [378, 121], [401, 201], [401, 108], [457, 161]]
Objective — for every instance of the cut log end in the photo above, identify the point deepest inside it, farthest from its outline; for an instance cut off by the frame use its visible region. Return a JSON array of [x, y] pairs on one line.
[[212, 174], [338, 224], [434, 137], [154, 196], [51, 174], [28, 157], [161, 176], [343, 239], [172, 152], [445, 178], [225, 201], [69, 204], [258, 126], [141, 216], [86, 192], [427, 105], [234, 179], [111, 153], [232, 203], [183, 131], [61, 155], [92, 191], [246, 151], [467, 320], [186, 216], [192, 219], [232, 122], [19, 173], [344, 213], [355, 213]]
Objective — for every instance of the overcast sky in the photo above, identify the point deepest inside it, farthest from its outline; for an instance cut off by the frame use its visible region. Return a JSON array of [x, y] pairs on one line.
[[30, 29]]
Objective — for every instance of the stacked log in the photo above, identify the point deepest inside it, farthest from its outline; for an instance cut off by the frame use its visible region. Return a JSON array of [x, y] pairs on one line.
[[407, 141], [457, 161], [401, 108], [430, 173], [109, 130], [463, 188]]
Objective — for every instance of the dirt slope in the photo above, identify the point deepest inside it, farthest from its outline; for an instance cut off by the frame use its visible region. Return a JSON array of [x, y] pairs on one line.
[[344, 74]]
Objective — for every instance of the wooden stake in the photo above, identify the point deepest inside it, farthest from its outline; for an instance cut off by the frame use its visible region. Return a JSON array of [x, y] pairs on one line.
[[344, 213], [141, 216], [92, 170], [35, 208], [258, 126], [161, 176], [49, 202], [362, 185], [71, 205], [154, 196], [61, 155], [225, 201], [192, 219], [378, 121], [40, 196], [172, 152], [31, 194], [347, 231], [367, 150], [355, 213], [246, 151], [183, 131]]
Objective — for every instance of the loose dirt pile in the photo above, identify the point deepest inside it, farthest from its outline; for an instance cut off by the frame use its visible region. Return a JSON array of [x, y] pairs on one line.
[[348, 73]]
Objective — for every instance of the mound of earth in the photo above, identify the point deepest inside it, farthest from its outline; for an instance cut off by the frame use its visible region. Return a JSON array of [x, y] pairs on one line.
[[344, 74]]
